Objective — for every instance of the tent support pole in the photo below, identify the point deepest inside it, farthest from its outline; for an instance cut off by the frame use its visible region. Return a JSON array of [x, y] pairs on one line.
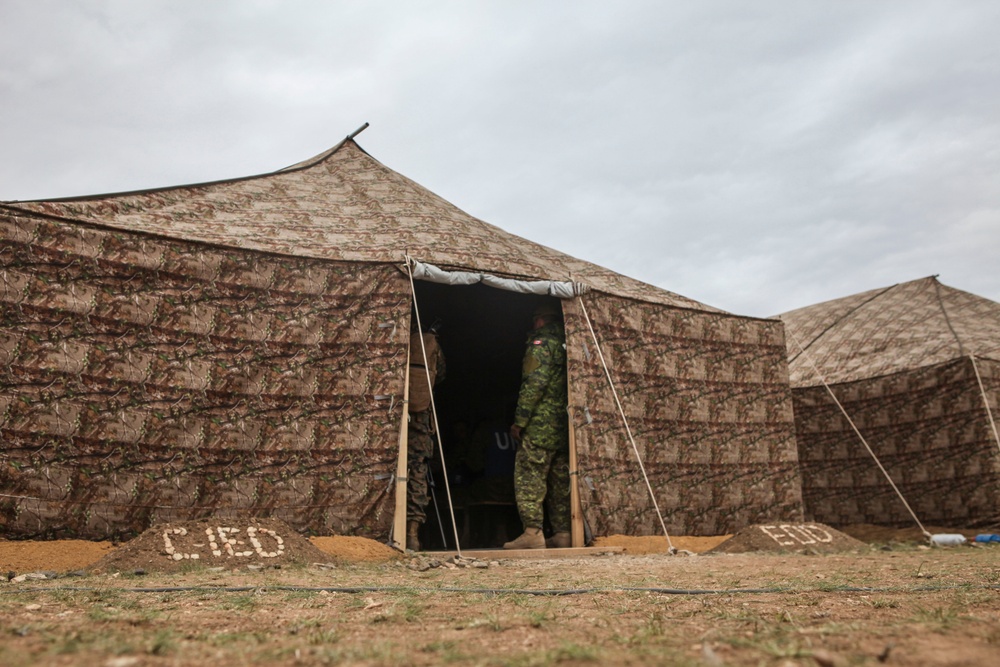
[[399, 517], [358, 131], [577, 537], [437, 428]]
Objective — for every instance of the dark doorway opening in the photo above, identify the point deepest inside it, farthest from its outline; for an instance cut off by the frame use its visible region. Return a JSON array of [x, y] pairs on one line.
[[482, 333]]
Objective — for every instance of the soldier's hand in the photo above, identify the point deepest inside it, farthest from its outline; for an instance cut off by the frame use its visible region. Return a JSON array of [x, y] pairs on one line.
[[515, 432]]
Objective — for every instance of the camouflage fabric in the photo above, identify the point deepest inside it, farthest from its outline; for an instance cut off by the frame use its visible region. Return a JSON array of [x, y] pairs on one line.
[[707, 398], [341, 205], [145, 380], [930, 429], [889, 330], [238, 348], [899, 359], [541, 403], [419, 450], [541, 482]]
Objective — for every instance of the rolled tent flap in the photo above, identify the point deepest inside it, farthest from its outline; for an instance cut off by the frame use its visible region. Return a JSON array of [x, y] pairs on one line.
[[560, 289]]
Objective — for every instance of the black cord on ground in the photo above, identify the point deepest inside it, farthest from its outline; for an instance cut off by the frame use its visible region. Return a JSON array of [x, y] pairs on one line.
[[553, 592]]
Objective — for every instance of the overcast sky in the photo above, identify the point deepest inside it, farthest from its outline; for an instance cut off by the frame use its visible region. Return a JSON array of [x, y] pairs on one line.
[[756, 156]]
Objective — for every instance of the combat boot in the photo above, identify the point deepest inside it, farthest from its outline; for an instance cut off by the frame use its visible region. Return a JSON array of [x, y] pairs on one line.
[[560, 540], [532, 538], [412, 539]]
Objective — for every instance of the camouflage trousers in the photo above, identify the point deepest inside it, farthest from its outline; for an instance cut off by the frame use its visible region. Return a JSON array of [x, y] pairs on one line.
[[419, 450], [541, 482]]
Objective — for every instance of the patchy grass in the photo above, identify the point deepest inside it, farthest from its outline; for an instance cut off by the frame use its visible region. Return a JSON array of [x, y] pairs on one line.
[[413, 620]]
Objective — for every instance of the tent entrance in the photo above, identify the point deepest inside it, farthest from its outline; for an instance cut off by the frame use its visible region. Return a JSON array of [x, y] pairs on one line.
[[482, 335]]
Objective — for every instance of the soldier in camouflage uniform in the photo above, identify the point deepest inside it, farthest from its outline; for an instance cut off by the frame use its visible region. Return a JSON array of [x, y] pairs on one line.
[[420, 430], [541, 472]]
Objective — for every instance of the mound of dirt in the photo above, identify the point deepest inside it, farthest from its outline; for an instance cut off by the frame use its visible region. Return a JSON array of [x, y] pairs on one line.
[[789, 537], [55, 555], [355, 549], [174, 546]]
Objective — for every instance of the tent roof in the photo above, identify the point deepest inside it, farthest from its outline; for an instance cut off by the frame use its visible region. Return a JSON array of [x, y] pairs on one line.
[[905, 326], [341, 205]]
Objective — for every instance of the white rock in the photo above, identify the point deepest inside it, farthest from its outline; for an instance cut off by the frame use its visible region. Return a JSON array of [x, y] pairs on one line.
[[123, 661]]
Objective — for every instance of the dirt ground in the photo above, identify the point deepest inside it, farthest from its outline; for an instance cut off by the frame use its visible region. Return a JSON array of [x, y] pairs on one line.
[[891, 600]]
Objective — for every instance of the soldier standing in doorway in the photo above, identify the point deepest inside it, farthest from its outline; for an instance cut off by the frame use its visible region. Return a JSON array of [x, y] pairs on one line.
[[420, 429], [541, 469]]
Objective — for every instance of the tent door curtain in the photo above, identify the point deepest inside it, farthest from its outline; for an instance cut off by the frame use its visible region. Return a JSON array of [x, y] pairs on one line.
[[482, 333]]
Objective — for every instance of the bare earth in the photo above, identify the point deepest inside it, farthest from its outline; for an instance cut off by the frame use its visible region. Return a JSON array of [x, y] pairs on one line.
[[892, 601]]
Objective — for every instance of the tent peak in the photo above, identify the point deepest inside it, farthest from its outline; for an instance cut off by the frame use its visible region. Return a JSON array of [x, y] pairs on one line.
[[358, 131], [915, 323], [223, 181], [316, 159]]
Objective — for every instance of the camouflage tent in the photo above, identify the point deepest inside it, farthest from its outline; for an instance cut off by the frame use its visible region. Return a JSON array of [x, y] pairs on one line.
[[239, 348], [916, 366]]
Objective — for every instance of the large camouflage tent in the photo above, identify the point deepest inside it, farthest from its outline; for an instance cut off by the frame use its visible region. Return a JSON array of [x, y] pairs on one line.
[[916, 367], [239, 348]]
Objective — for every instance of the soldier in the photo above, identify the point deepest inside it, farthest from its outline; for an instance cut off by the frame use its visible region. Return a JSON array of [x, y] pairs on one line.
[[541, 470], [420, 430]]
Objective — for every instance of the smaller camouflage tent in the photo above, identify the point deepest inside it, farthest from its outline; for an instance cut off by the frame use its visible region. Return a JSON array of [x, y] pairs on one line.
[[915, 366]]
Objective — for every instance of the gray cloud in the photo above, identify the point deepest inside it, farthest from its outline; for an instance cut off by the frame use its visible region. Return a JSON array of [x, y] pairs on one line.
[[756, 156]]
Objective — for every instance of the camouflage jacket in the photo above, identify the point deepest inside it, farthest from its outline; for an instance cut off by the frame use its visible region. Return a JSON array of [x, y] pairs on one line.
[[541, 405]]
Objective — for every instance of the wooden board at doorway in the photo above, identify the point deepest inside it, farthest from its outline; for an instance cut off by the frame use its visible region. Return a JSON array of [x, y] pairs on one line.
[[498, 554]]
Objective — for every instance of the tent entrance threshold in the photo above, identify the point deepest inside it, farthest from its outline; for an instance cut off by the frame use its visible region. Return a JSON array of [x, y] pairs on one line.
[[525, 554]]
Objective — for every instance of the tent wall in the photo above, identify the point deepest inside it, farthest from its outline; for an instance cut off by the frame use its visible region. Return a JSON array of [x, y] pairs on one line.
[[145, 380], [929, 428], [707, 397]]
